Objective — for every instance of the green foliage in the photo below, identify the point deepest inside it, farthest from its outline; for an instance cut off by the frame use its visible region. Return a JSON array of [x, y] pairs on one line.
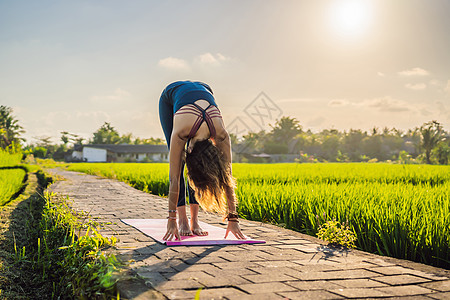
[[10, 156], [337, 234], [39, 152], [285, 129], [441, 153], [10, 130], [106, 134], [355, 145], [152, 179], [11, 182], [275, 148], [432, 133], [76, 263]]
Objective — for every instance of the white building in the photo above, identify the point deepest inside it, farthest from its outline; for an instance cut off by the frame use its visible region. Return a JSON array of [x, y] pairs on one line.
[[120, 153]]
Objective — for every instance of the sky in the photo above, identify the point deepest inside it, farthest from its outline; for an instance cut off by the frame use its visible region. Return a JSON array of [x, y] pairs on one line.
[[342, 64]]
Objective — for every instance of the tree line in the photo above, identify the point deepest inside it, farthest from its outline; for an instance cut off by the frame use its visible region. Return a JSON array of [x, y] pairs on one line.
[[44, 147], [428, 143]]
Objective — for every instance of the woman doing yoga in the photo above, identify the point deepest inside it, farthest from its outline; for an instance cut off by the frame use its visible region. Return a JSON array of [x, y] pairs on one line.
[[196, 136]]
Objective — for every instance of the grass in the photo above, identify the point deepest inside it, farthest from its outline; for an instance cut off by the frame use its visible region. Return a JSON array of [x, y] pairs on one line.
[[9, 158], [11, 182], [396, 210], [47, 251]]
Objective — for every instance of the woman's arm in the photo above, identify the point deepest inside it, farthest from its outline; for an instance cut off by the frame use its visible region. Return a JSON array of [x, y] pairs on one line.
[[223, 143], [175, 160]]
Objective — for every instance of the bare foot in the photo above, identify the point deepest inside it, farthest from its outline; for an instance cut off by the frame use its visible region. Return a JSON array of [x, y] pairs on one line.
[[196, 229], [183, 228]]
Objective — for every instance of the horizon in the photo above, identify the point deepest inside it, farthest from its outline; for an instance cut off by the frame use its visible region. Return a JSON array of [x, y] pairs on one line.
[[348, 64]]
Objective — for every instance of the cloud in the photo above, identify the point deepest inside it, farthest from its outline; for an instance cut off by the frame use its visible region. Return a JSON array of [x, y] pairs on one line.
[[296, 100], [210, 59], [173, 63], [338, 103], [117, 96], [387, 104], [414, 72], [205, 59], [416, 87]]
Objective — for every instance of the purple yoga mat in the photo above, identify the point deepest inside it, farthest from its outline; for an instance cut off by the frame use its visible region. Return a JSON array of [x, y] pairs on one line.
[[156, 229]]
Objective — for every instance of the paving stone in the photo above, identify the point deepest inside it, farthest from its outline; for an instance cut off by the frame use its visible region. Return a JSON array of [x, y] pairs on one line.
[[314, 285], [404, 290], [278, 264], [442, 286], [380, 262], [244, 257], [235, 265], [184, 284], [390, 270], [441, 295], [209, 260], [316, 260], [262, 296], [417, 297], [345, 274], [134, 289], [295, 240], [352, 266], [308, 295], [359, 293], [229, 272], [268, 278], [179, 294], [221, 293], [219, 281], [302, 248], [400, 279], [357, 283], [208, 268], [317, 268], [187, 275], [266, 287], [427, 275], [152, 278]]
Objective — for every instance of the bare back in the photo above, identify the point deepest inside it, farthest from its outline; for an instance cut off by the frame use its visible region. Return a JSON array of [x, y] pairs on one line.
[[185, 118]]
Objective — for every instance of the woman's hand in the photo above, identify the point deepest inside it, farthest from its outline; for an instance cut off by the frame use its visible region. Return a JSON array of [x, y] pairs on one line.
[[172, 230], [234, 228]]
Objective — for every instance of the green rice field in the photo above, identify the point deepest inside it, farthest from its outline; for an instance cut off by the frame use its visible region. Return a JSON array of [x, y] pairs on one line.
[[11, 181], [395, 210], [7, 159]]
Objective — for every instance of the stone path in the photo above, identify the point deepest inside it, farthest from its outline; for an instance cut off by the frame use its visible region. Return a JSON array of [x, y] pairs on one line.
[[289, 266]]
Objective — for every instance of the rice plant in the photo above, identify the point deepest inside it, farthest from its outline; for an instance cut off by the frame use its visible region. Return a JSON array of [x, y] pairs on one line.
[[9, 158], [11, 181]]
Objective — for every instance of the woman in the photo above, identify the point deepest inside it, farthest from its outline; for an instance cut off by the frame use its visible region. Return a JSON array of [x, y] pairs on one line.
[[190, 117]]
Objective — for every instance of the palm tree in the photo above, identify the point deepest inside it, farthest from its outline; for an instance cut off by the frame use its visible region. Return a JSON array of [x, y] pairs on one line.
[[10, 130], [432, 134]]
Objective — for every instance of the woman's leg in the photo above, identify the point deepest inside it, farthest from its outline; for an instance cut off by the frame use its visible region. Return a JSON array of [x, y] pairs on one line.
[[166, 119], [194, 206]]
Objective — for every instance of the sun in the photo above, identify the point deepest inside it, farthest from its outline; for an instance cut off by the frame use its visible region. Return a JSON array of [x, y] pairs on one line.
[[350, 17]]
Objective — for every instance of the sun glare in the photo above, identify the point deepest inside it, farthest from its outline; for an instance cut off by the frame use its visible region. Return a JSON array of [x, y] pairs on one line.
[[350, 17]]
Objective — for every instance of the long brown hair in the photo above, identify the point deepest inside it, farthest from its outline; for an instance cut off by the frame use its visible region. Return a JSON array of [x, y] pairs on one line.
[[209, 174]]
